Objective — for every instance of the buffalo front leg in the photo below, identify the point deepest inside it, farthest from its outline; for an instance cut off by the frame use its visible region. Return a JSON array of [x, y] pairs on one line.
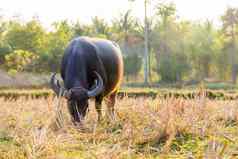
[[98, 106], [110, 105]]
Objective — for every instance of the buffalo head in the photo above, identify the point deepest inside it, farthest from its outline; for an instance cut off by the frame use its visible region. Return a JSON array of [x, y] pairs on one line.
[[77, 97]]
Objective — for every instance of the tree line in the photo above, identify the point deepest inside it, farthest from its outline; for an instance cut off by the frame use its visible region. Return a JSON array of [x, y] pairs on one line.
[[179, 50]]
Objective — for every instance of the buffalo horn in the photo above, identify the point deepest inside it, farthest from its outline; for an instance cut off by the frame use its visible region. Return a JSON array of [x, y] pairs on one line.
[[99, 87], [54, 84]]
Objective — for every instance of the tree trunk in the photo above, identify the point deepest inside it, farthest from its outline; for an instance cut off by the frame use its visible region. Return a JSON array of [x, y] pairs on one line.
[[149, 61], [233, 58], [234, 73], [146, 57]]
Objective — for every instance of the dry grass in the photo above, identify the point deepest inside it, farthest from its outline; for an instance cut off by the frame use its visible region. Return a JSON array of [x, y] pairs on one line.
[[145, 128]]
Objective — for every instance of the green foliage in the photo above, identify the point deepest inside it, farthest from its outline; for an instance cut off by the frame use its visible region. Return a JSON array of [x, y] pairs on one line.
[[172, 68], [4, 50], [30, 36], [179, 50], [57, 42], [124, 26], [230, 21], [169, 41], [229, 30], [202, 50], [81, 29], [19, 60], [4, 47], [132, 64]]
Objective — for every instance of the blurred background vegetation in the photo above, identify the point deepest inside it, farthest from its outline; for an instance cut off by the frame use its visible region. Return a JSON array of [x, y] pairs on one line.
[[180, 52]]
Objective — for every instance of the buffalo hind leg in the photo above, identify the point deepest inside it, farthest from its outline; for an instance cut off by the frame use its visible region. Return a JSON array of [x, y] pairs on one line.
[[110, 106], [98, 106]]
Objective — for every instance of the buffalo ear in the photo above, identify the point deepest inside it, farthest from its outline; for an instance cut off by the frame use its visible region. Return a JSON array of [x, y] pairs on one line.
[[55, 85]]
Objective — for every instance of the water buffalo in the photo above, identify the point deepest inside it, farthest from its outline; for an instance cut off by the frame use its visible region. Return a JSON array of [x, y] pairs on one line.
[[90, 67]]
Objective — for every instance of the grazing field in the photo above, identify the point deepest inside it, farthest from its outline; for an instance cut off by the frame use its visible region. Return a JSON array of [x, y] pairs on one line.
[[144, 128], [14, 94]]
